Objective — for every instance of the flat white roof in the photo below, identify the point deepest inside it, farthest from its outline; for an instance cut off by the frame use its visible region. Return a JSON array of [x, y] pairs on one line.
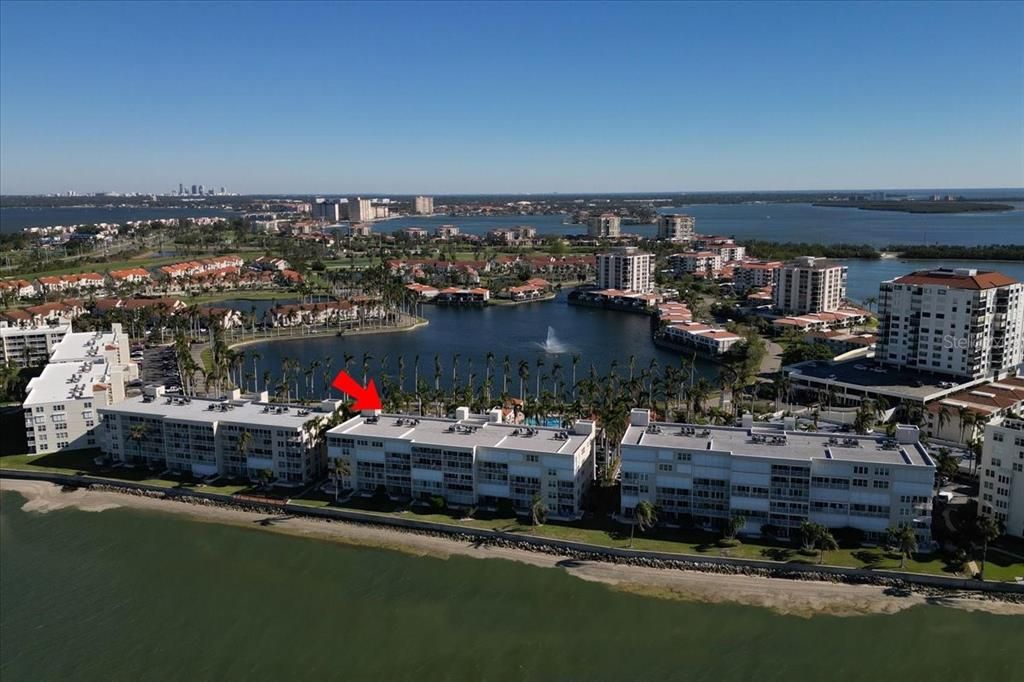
[[27, 331], [77, 346], [773, 441], [208, 410], [463, 433], [66, 381]]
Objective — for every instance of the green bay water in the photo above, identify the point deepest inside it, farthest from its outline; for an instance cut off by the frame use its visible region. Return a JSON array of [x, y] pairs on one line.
[[130, 595]]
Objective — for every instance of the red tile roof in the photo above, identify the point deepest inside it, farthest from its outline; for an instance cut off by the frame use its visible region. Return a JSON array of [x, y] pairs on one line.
[[978, 281]]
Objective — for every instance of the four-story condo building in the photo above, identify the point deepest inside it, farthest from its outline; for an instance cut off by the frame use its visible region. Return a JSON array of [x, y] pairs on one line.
[[775, 476], [469, 460]]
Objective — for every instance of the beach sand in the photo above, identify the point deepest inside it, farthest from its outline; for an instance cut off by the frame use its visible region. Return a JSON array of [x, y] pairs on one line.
[[795, 597]]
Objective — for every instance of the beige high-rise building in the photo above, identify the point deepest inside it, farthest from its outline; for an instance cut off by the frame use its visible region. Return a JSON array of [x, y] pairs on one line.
[[604, 225], [1001, 474], [810, 285], [626, 268], [360, 210], [676, 227], [423, 205], [963, 322]]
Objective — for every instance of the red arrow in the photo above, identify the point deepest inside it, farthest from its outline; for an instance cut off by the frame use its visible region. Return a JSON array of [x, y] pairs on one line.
[[366, 398]]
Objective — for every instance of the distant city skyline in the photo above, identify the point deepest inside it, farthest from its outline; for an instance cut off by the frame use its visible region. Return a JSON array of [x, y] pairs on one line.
[[453, 98]]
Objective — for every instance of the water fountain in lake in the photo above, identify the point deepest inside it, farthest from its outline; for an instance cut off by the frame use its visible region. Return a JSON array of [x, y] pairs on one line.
[[552, 344]]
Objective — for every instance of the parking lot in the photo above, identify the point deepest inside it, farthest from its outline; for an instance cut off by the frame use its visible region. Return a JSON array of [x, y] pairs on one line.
[[157, 365]]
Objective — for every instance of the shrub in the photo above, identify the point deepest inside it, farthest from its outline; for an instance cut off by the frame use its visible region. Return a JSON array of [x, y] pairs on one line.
[[438, 503]]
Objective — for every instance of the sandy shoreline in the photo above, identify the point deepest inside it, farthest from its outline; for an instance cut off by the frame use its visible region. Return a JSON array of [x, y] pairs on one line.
[[796, 597]]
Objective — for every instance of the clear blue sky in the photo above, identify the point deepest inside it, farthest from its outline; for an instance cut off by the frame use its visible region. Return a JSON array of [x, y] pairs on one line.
[[417, 97]]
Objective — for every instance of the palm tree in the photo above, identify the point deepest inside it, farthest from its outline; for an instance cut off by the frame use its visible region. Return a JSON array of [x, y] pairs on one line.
[[506, 367], [575, 361], [255, 371], [540, 363], [645, 516], [137, 433], [942, 418], [366, 366], [341, 471], [524, 376], [947, 465], [987, 529], [243, 443], [826, 543], [904, 540], [538, 510]]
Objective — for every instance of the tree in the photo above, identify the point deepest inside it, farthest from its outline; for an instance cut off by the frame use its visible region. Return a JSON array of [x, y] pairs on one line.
[[645, 516], [538, 510], [903, 539], [946, 463], [809, 534], [733, 526], [266, 479], [987, 529], [826, 543], [801, 351], [137, 433], [341, 471]]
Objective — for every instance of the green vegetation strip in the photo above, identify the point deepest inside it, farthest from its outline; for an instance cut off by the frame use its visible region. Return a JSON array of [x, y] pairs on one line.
[[1001, 567]]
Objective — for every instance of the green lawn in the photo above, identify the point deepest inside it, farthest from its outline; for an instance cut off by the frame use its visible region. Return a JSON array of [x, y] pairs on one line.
[[692, 543]]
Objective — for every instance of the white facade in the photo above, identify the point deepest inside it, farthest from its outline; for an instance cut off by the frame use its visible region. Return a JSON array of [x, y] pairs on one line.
[[1001, 473], [960, 322], [711, 340], [627, 269], [86, 371], [29, 346], [204, 437], [604, 225], [676, 227], [776, 476], [469, 460], [706, 262], [752, 275], [423, 205], [810, 285], [446, 231]]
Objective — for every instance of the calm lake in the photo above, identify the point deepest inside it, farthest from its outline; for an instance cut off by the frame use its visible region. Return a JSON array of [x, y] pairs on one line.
[[129, 595], [521, 332]]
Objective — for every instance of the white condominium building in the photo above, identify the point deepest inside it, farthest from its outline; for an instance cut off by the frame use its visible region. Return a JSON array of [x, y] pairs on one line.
[[233, 437], [755, 275], [1002, 474], [810, 285], [29, 346], [423, 205], [777, 476], [627, 269], [360, 210], [87, 370], [604, 225], [468, 460], [676, 227], [961, 322], [704, 262]]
